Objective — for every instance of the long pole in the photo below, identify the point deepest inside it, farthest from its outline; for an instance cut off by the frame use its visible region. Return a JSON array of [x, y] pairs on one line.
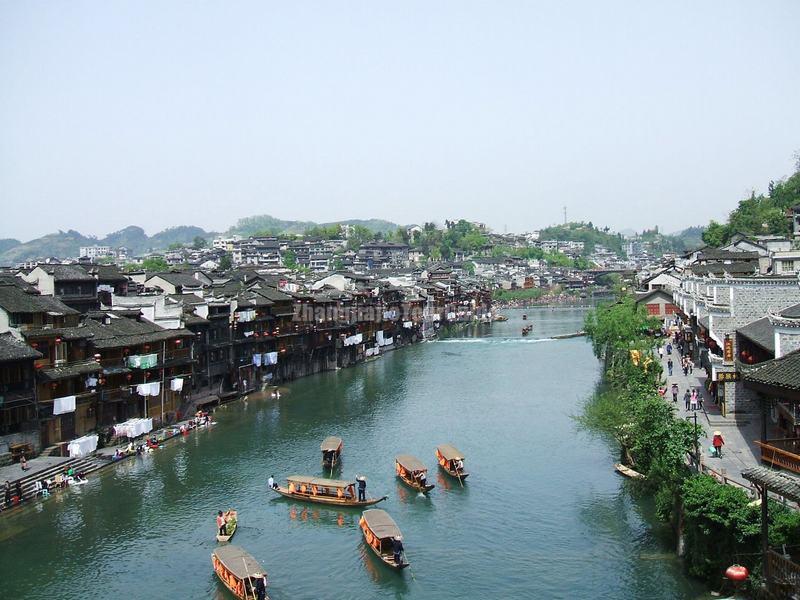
[[246, 570], [696, 444]]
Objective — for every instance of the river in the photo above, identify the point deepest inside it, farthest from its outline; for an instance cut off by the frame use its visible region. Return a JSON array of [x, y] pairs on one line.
[[542, 515]]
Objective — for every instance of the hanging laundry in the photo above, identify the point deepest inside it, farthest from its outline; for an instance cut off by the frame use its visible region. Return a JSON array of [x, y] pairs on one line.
[[155, 388], [272, 358], [143, 389], [134, 361], [176, 385], [63, 405], [91, 382], [257, 360]]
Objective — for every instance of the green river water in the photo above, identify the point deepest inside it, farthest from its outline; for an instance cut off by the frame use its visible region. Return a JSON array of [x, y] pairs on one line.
[[543, 515]]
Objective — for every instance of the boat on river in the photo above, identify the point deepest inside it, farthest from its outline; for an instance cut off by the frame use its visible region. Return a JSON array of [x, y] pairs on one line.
[[331, 448], [379, 531], [627, 471], [412, 472], [237, 570], [336, 492], [527, 330], [451, 460], [231, 523]]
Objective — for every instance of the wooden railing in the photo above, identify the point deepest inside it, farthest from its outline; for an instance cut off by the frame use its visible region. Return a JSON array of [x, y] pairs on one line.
[[784, 574], [783, 453]]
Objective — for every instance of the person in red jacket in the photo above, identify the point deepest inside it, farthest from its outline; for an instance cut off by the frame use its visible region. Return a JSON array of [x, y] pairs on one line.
[[717, 442]]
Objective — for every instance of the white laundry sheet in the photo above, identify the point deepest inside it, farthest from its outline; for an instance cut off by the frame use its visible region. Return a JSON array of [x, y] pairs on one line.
[[82, 446]]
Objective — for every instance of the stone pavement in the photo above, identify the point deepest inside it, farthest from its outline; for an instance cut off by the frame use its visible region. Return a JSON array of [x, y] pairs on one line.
[[40, 464], [739, 434]]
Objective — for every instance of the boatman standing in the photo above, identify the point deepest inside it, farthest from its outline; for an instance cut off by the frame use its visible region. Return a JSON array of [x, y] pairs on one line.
[[397, 548], [221, 523], [271, 482], [362, 487], [261, 586]]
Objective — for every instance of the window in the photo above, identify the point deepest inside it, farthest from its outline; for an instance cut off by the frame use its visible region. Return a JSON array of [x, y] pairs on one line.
[[653, 309], [787, 266]]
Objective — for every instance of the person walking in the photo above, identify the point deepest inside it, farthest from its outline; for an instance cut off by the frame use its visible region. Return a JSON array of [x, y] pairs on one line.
[[661, 352], [693, 401], [674, 392], [685, 364], [717, 442], [669, 349], [669, 367], [687, 396], [700, 400]]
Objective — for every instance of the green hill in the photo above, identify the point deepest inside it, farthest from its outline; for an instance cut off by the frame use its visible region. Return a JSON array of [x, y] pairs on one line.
[[759, 214], [587, 233], [269, 225]]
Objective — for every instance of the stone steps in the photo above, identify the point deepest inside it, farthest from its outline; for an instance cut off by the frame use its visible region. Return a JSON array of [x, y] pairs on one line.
[[84, 464]]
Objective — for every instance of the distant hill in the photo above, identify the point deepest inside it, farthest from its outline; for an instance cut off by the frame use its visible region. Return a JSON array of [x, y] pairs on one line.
[[267, 224], [8, 243], [587, 233], [65, 244]]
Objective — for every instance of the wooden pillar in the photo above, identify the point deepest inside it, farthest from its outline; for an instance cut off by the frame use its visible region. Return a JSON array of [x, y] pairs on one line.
[[765, 534], [764, 417]]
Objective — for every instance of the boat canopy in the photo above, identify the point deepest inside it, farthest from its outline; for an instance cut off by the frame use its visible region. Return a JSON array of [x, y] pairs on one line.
[[410, 463], [331, 444], [237, 561], [449, 452], [380, 523], [319, 481]]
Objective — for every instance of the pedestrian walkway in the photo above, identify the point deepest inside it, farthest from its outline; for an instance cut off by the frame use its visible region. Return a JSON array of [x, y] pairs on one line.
[[740, 450]]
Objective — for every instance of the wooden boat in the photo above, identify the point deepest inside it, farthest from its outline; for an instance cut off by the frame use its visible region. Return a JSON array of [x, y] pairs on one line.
[[451, 460], [323, 491], [331, 448], [237, 570], [412, 472], [379, 531], [524, 317], [500, 318], [627, 471], [231, 514]]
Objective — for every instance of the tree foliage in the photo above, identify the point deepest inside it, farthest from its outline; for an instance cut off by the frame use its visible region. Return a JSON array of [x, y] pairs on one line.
[[155, 264], [759, 214]]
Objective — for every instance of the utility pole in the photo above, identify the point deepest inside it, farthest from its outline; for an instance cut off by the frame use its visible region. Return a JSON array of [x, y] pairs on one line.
[[565, 215]]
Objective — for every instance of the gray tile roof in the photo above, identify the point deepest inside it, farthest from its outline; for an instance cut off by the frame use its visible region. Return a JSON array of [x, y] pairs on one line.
[[67, 272], [83, 367], [793, 312], [749, 267], [761, 333], [124, 332], [12, 349], [14, 300], [783, 372], [776, 481]]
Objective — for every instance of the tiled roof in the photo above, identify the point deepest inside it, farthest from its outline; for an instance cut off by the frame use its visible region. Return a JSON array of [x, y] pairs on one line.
[[83, 367], [776, 481], [761, 333], [15, 300], [178, 279], [793, 312], [66, 333], [783, 372], [13, 349], [67, 272], [749, 267], [123, 332]]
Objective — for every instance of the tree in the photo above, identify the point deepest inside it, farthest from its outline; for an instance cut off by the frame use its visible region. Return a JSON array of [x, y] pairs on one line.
[[175, 246], [155, 263], [715, 234], [225, 262], [358, 235], [199, 242], [289, 259]]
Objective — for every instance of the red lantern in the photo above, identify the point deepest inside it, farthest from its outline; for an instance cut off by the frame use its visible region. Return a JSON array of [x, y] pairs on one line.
[[34, 345], [58, 340], [129, 376], [178, 342], [146, 347], [737, 573], [53, 385]]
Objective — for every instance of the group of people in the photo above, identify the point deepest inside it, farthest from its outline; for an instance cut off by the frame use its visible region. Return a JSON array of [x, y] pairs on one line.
[[686, 364], [41, 487]]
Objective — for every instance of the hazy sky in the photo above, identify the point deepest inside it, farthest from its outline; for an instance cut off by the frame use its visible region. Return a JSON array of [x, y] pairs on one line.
[[168, 113]]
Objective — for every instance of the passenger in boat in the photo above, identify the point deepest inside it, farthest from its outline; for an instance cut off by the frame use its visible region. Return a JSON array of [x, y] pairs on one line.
[[271, 482], [261, 586], [221, 523], [459, 465], [362, 487], [397, 548], [422, 478]]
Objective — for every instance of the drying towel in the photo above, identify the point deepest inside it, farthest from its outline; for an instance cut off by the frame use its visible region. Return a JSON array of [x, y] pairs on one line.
[[155, 388], [64, 405], [257, 360], [176, 385]]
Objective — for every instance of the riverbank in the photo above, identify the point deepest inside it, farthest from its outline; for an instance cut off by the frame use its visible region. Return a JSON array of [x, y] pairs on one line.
[[714, 525]]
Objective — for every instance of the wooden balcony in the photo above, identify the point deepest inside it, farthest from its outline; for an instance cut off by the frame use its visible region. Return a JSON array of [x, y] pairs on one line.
[[784, 574], [782, 453]]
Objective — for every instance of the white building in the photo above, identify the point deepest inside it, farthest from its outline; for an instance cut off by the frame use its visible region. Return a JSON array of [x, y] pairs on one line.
[[95, 251]]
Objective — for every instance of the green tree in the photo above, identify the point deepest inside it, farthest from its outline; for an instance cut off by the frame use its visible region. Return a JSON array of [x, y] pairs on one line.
[[289, 259], [225, 262], [199, 243], [155, 264], [175, 246]]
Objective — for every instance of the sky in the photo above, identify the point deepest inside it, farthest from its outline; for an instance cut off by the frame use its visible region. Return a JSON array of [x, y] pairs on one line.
[[629, 114]]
